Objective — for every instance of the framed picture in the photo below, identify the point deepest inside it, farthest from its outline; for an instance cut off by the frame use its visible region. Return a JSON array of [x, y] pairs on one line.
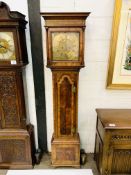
[[119, 71]]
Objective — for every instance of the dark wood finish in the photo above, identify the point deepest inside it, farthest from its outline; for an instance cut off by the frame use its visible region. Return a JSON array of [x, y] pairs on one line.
[[16, 140], [15, 149], [65, 90], [12, 110], [38, 71], [65, 68], [113, 141]]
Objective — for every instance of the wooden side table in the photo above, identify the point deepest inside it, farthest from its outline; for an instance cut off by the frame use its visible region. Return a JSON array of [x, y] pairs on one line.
[[113, 141]]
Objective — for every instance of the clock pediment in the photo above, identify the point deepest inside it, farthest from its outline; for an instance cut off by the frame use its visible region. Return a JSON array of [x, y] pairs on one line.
[[6, 14], [4, 10]]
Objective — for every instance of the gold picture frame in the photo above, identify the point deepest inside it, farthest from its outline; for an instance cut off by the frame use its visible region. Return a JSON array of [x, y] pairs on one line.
[[119, 70]]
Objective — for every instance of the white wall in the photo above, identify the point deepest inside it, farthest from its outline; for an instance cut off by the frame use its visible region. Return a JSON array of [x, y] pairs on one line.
[[15, 5], [92, 91]]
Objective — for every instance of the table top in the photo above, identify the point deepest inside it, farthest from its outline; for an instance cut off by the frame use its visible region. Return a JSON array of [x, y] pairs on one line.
[[115, 118]]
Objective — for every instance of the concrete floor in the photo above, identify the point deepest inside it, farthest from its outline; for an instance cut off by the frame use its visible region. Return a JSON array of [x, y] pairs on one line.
[[46, 164]]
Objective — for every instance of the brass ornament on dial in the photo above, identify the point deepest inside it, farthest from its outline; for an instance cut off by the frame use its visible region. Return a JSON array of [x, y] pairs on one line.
[[65, 45], [7, 46]]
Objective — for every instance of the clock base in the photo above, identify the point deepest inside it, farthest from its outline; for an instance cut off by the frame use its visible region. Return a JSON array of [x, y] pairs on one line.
[[65, 151], [16, 149]]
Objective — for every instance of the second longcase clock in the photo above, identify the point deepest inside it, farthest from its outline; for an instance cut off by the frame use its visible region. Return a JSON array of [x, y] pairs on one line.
[[65, 57], [15, 135]]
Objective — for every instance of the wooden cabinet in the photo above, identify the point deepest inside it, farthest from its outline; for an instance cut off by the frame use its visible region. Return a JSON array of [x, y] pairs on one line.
[[65, 57], [15, 138], [113, 141]]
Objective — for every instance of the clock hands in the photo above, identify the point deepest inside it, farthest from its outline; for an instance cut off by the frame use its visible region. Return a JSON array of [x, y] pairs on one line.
[[3, 47], [7, 48]]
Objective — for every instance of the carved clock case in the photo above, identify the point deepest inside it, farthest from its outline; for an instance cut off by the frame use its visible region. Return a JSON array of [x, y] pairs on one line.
[[65, 57], [15, 142]]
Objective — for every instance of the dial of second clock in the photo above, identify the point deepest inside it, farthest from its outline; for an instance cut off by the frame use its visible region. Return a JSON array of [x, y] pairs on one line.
[[7, 46]]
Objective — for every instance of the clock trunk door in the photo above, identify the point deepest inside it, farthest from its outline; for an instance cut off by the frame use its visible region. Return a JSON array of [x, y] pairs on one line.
[[66, 103]]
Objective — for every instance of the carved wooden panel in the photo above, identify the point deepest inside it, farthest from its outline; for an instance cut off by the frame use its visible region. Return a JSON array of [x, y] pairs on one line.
[[121, 138], [13, 153], [12, 107], [65, 102], [15, 150], [8, 100], [121, 161]]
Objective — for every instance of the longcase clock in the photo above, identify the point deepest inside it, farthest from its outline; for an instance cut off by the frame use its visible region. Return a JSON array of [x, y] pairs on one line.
[[15, 138], [65, 57]]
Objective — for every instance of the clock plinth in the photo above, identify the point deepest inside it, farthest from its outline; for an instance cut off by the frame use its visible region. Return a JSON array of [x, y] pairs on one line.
[[15, 148], [65, 57], [65, 151]]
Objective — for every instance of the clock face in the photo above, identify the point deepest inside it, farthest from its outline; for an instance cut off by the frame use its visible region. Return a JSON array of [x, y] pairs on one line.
[[65, 46], [7, 46]]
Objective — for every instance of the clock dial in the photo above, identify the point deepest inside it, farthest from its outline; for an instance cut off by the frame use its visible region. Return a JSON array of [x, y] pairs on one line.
[[65, 46], [7, 46]]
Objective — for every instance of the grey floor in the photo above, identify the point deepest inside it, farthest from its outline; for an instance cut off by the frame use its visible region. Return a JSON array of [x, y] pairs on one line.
[[90, 163], [46, 164]]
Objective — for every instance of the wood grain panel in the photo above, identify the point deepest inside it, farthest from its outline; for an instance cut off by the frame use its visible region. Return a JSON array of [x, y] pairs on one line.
[[65, 102], [66, 152], [121, 162]]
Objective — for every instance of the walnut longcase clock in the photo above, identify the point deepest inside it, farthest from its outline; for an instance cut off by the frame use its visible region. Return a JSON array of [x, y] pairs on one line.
[[15, 138], [65, 57]]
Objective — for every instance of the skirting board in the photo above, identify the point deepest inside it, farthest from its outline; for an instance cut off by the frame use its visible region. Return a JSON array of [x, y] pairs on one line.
[[51, 172]]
